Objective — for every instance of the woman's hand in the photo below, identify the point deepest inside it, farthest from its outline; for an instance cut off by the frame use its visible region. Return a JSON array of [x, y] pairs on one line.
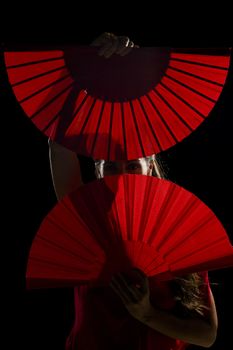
[[110, 44], [135, 296]]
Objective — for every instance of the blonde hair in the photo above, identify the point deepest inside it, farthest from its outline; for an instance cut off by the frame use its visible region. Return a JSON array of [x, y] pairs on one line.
[[189, 294], [157, 170]]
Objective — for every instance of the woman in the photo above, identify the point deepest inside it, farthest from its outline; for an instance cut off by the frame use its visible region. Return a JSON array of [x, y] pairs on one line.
[[127, 316]]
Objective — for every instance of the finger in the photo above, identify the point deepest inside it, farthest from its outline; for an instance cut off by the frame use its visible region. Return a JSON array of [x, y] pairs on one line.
[[123, 42], [126, 50], [99, 41], [143, 279], [121, 293], [110, 50], [103, 39], [106, 49], [132, 291]]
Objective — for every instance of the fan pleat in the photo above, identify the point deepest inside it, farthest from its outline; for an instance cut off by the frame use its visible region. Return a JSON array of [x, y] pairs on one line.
[[29, 57], [133, 146], [151, 140], [43, 99], [30, 73], [82, 114], [90, 130], [219, 62], [123, 117], [177, 220], [165, 135], [195, 91], [207, 89], [81, 101], [97, 131], [198, 103], [40, 84], [117, 149], [170, 114], [187, 113], [210, 74], [110, 133], [101, 143], [49, 109], [118, 222]]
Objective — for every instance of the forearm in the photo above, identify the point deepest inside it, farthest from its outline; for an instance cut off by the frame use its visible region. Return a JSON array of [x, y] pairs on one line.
[[65, 169], [193, 331]]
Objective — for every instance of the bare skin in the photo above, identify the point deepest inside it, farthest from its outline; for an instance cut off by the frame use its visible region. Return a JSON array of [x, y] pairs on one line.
[[136, 298], [141, 166], [111, 44]]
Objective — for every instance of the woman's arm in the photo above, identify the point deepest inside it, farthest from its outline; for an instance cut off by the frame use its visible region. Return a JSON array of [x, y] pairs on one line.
[[65, 169], [64, 163], [197, 331]]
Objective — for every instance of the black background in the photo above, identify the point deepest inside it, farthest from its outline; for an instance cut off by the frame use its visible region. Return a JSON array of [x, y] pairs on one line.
[[201, 163]]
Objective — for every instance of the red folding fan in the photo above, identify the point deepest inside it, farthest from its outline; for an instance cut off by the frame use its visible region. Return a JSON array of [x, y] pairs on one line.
[[122, 107], [126, 221]]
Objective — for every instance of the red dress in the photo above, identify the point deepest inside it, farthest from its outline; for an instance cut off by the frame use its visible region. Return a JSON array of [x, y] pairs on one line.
[[103, 323]]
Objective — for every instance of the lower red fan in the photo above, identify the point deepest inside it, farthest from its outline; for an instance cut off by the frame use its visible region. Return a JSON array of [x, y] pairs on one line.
[[120, 222]]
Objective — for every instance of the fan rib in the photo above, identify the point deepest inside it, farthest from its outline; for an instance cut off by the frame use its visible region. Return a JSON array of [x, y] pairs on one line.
[[97, 128], [88, 115], [180, 220], [78, 109], [51, 101], [183, 100], [34, 62], [190, 88], [196, 76], [70, 236], [162, 213], [207, 73], [160, 115], [50, 123], [179, 116], [136, 128], [101, 146], [199, 249], [146, 204], [198, 63], [58, 266], [143, 202], [89, 131], [149, 124], [124, 131], [160, 264], [54, 244], [38, 76], [110, 130], [84, 97], [44, 88]]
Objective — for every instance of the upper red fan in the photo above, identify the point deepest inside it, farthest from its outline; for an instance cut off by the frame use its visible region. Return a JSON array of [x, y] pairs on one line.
[[122, 107], [119, 222]]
